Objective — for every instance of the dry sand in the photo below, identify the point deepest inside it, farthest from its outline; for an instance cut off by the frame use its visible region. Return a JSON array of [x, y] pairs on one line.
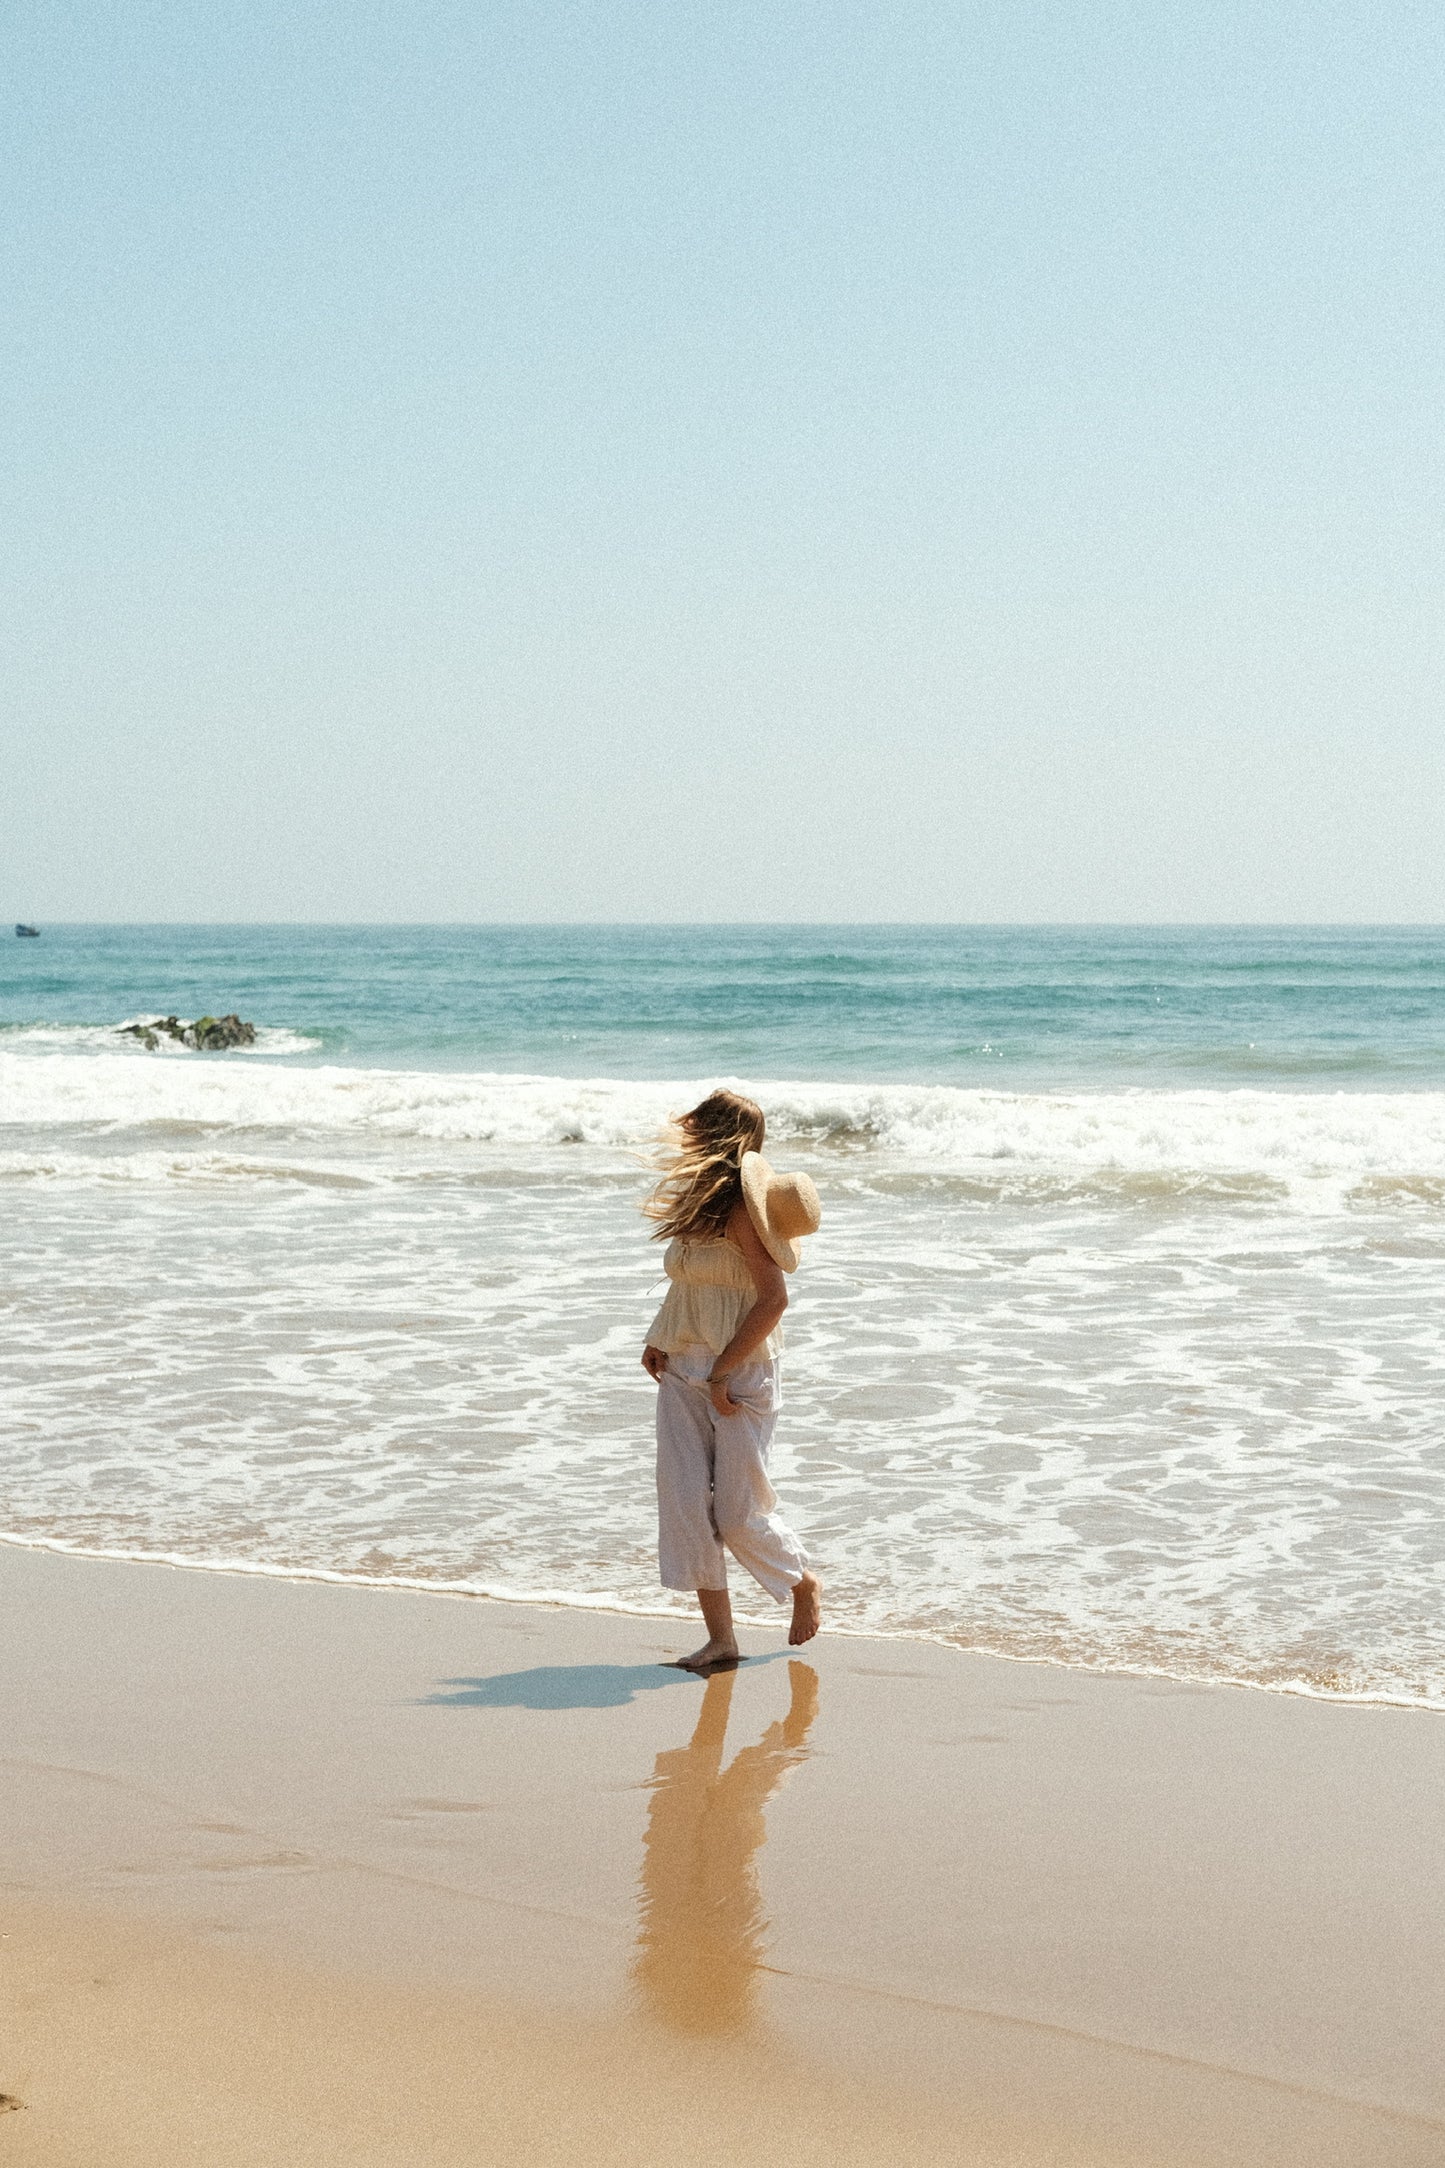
[[310, 1875]]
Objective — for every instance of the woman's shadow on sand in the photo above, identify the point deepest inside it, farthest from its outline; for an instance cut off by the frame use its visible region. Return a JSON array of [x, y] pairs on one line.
[[569, 1686]]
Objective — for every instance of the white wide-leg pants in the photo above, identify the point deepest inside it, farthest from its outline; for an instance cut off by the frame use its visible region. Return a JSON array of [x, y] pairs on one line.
[[712, 1480]]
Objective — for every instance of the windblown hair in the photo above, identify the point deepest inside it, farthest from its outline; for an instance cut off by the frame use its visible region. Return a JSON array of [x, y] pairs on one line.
[[701, 1157]]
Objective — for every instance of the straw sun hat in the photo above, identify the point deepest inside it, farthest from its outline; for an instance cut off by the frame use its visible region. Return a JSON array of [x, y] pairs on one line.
[[783, 1207]]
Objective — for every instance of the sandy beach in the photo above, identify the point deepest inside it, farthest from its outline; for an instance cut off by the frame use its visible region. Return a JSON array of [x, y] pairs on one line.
[[316, 1874], [722, 882]]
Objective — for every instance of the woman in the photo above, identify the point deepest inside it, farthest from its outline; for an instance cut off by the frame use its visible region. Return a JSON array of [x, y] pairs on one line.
[[732, 1228]]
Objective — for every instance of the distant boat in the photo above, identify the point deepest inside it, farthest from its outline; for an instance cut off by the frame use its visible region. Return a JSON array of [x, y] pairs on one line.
[[28, 933]]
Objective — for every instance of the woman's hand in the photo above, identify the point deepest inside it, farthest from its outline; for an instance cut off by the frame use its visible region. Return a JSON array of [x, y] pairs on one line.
[[654, 1362], [722, 1401]]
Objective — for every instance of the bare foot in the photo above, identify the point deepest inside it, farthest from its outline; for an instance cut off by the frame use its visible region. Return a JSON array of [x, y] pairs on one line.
[[807, 1610], [712, 1656]]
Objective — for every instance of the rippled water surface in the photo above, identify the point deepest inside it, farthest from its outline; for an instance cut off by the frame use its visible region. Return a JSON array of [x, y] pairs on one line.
[[1116, 1346]]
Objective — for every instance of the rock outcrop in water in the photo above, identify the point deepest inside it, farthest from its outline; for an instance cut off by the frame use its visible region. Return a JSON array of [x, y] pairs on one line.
[[207, 1035]]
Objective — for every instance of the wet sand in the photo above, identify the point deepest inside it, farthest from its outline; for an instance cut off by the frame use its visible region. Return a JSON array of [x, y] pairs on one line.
[[315, 1875]]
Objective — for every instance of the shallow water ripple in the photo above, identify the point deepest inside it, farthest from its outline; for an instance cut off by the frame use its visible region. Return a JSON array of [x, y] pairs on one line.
[[1192, 1431]]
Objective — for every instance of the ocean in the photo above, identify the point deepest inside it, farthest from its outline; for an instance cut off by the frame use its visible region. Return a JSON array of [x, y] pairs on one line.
[[1122, 1344]]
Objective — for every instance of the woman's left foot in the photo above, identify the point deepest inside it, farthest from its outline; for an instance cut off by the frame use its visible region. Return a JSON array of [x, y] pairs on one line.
[[807, 1610], [712, 1656]]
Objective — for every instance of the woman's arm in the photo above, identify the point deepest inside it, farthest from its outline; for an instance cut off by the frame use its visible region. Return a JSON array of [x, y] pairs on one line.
[[754, 1326]]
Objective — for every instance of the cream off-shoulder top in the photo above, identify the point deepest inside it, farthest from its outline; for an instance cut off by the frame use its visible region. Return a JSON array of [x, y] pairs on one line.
[[711, 1291]]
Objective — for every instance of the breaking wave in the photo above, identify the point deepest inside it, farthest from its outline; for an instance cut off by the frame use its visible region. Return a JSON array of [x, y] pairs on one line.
[[1250, 1142], [113, 1039]]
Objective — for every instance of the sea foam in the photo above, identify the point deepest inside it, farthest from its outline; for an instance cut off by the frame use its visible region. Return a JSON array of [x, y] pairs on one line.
[[1283, 1136], [386, 1324]]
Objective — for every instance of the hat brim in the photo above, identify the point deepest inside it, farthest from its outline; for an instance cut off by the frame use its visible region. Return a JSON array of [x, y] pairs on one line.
[[756, 1175]]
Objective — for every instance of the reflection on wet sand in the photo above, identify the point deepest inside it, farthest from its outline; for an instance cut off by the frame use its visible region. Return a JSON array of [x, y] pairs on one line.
[[702, 1929]]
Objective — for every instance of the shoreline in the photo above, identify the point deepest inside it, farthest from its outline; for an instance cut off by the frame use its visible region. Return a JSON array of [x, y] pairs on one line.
[[1136, 1394], [510, 1880], [608, 1606]]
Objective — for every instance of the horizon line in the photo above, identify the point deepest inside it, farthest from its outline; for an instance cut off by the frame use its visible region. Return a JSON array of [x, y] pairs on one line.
[[668, 925]]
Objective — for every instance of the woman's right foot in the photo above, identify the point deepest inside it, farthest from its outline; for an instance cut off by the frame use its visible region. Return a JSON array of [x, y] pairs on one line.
[[712, 1656], [807, 1610]]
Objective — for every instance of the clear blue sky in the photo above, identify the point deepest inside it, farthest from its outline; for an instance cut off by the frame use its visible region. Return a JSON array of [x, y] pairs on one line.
[[747, 461]]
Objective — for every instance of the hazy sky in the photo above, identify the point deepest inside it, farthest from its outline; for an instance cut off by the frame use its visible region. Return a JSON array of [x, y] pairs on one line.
[[732, 461]]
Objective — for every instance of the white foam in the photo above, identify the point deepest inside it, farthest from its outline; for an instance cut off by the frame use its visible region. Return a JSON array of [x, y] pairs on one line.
[[1202, 1439], [1285, 1136], [86, 1168], [113, 1039]]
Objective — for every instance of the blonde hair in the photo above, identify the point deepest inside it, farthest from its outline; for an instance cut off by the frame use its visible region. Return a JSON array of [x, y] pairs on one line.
[[701, 1158]]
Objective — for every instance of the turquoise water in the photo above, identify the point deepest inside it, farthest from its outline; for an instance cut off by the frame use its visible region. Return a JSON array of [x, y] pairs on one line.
[[1011, 1007], [1122, 1343]]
